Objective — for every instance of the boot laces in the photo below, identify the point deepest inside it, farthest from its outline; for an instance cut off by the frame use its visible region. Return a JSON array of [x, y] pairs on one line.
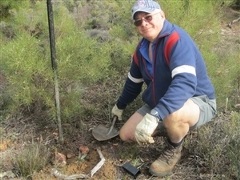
[[168, 153]]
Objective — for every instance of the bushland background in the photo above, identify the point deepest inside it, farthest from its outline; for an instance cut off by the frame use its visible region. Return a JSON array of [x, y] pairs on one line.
[[94, 43]]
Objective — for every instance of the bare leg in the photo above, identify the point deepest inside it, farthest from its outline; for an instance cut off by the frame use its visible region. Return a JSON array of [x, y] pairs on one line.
[[128, 129], [178, 123]]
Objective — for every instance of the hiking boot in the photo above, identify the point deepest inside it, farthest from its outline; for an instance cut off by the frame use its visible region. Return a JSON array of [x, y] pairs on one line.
[[164, 165]]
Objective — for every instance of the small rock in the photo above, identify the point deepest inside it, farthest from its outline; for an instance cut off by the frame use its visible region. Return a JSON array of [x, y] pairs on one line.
[[70, 155], [60, 159], [83, 149]]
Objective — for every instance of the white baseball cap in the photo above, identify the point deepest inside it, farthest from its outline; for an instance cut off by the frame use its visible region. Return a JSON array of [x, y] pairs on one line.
[[147, 6]]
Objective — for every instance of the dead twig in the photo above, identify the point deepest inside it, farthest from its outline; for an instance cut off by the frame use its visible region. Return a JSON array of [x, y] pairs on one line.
[[232, 22], [99, 165], [59, 175]]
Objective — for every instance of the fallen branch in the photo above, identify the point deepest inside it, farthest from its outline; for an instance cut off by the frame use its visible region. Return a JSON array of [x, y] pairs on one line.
[[232, 22], [100, 164], [59, 175]]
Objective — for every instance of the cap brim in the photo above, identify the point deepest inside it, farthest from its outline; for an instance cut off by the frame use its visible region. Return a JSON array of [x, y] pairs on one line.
[[141, 10]]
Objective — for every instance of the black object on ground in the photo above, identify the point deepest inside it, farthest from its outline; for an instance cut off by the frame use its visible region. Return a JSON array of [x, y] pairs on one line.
[[131, 169]]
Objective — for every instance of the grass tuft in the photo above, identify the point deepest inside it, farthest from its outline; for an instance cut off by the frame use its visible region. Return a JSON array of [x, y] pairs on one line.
[[32, 159]]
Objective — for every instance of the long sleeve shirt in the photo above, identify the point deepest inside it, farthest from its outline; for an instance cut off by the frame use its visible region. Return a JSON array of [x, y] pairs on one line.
[[174, 75]]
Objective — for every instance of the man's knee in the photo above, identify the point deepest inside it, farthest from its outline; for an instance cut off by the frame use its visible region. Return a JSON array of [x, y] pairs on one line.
[[188, 114], [123, 135], [127, 131]]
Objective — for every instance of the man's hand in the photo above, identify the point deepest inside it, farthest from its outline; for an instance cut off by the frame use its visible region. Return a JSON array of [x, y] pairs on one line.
[[145, 129], [117, 112]]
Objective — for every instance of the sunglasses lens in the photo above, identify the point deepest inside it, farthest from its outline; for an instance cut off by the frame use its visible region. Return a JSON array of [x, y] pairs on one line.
[[138, 22], [148, 18]]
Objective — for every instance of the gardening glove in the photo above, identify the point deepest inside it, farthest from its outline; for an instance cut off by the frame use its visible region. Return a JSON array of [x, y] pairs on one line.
[[145, 129], [117, 112]]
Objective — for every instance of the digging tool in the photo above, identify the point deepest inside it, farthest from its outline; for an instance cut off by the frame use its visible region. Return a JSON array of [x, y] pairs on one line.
[[102, 133]]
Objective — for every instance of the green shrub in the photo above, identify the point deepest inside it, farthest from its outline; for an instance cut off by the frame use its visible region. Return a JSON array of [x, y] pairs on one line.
[[26, 71], [26, 61]]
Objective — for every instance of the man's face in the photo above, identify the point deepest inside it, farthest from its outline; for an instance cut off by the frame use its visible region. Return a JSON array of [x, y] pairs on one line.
[[149, 25]]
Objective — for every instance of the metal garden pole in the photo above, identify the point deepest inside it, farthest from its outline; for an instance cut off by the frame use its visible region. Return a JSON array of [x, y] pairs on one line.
[[54, 66]]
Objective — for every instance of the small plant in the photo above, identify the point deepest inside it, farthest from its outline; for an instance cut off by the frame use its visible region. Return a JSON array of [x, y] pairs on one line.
[[32, 159]]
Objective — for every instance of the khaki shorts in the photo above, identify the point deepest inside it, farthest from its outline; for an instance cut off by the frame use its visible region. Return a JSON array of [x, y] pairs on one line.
[[208, 109]]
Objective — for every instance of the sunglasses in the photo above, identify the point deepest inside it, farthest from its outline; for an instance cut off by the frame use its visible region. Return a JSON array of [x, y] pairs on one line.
[[147, 18]]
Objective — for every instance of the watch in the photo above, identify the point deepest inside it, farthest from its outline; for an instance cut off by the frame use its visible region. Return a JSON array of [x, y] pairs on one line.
[[155, 113]]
